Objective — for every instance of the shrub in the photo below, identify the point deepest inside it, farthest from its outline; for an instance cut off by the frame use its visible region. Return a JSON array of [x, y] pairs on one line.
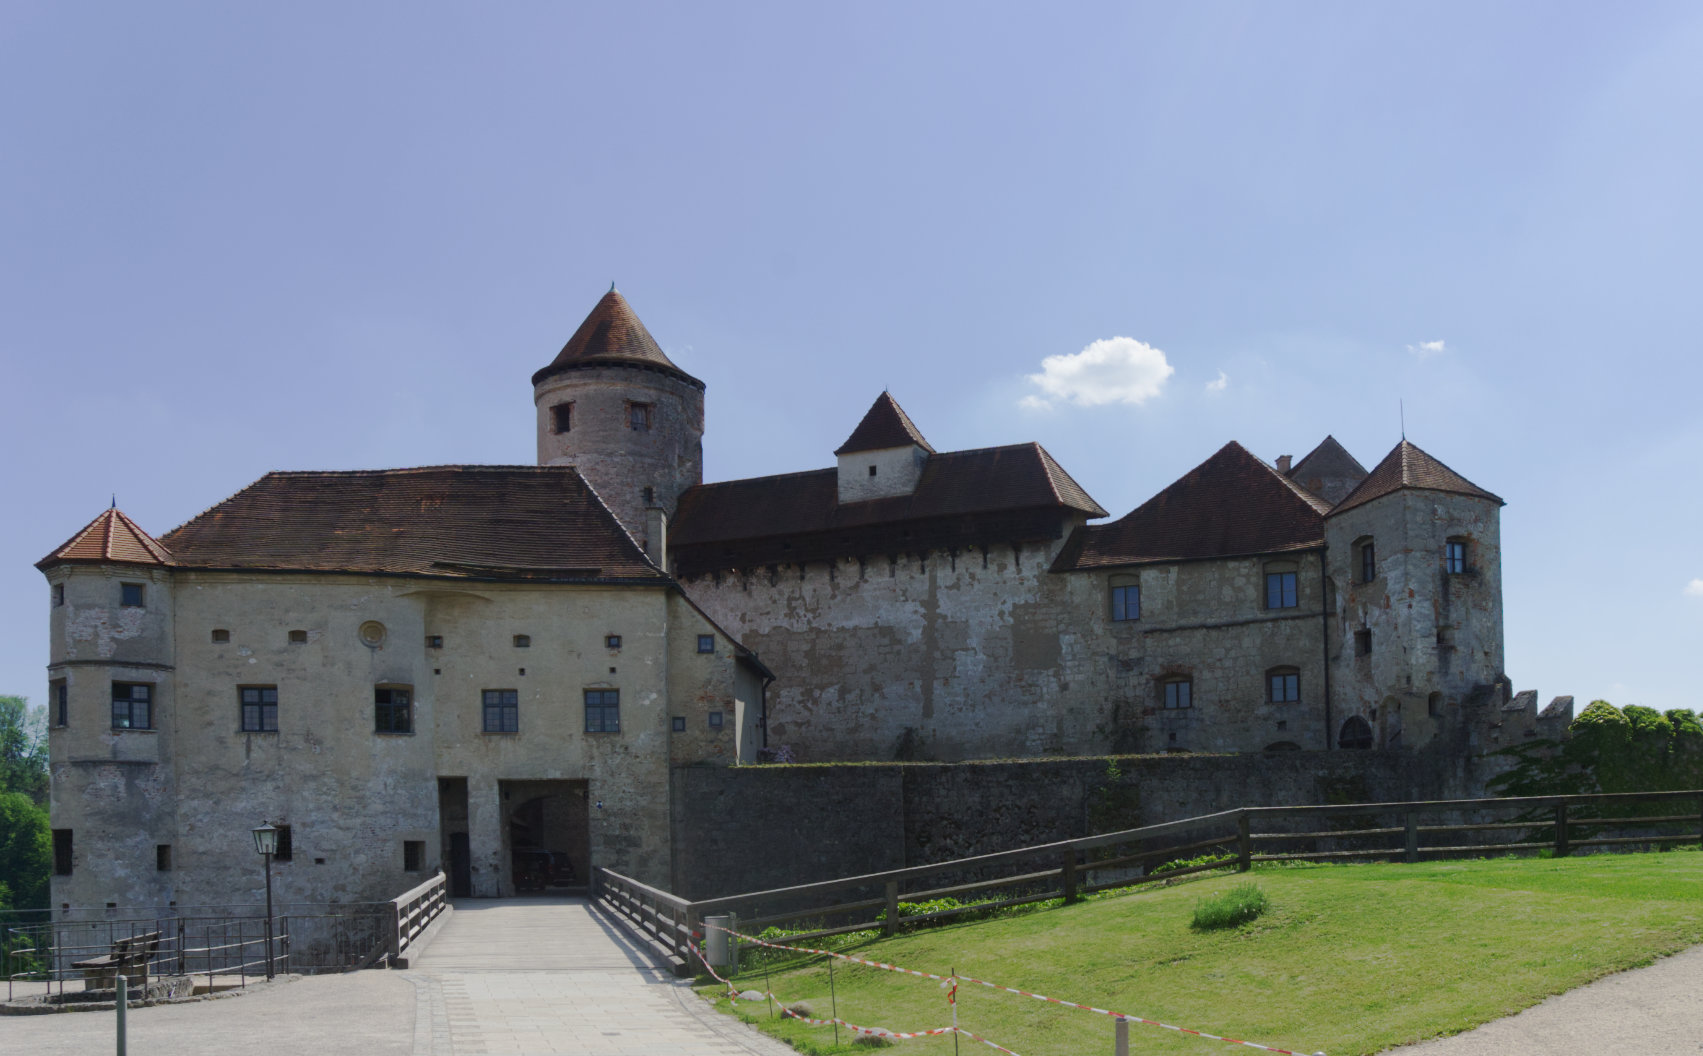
[[1228, 909], [1210, 858], [872, 1041]]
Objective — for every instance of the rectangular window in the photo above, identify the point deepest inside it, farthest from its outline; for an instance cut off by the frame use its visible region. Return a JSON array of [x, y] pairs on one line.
[[706, 643], [603, 711], [132, 706], [1126, 603], [1285, 686], [58, 594], [286, 845], [1363, 642], [1179, 695], [60, 692], [1368, 562], [1454, 557], [612, 641], [434, 641], [523, 641], [638, 417], [679, 724], [1280, 590], [393, 710], [162, 857], [502, 710], [715, 720], [259, 709], [221, 636], [413, 855], [130, 595], [561, 417], [61, 852]]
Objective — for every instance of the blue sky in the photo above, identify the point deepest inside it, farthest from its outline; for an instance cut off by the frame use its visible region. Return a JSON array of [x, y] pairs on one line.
[[310, 236]]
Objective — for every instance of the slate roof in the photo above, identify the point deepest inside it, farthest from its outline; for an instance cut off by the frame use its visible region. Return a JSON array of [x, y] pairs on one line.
[[1408, 467], [478, 522], [1230, 505], [110, 539], [953, 484], [885, 425], [613, 336]]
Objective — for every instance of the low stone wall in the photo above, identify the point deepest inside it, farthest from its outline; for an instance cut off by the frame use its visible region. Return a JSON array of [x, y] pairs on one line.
[[757, 827]]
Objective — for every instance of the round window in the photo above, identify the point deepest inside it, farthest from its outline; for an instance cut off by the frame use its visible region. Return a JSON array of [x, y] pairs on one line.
[[372, 634]]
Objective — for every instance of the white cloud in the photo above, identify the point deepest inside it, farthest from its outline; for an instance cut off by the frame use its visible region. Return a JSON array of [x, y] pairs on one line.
[[1427, 349], [1218, 384], [1694, 589], [1111, 370]]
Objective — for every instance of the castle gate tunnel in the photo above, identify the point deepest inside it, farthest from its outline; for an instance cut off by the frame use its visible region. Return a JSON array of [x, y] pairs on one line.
[[547, 836]]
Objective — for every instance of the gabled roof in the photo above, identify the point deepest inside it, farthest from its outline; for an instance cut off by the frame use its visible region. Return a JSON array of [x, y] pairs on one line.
[[110, 539], [612, 336], [478, 522], [1232, 504], [885, 425], [953, 484], [1329, 459], [1408, 467]]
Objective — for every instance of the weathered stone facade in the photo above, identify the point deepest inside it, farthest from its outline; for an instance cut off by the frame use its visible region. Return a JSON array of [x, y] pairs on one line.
[[908, 604]]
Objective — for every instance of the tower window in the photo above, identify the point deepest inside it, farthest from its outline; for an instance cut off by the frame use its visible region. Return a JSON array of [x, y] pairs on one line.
[[1454, 556], [61, 693], [58, 594], [61, 852], [561, 417], [638, 417], [162, 857], [132, 706], [1368, 561], [413, 855], [130, 595], [286, 845], [649, 495], [872, 471], [1363, 642], [392, 710], [1179, 694]]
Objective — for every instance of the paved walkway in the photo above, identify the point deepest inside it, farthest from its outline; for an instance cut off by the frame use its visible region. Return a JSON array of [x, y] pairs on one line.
[[515, 977]]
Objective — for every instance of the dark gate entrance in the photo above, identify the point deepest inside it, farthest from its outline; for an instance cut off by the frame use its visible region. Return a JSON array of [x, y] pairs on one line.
[[457, 853], [549, 836]]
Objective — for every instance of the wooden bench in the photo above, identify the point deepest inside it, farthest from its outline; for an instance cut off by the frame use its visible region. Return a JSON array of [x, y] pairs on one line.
[[130, 956]]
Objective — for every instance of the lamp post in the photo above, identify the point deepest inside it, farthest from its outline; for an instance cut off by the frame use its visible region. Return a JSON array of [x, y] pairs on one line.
[[266, 842]]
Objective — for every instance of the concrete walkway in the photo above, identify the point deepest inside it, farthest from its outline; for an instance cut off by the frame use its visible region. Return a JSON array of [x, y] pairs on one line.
[[515, 977]]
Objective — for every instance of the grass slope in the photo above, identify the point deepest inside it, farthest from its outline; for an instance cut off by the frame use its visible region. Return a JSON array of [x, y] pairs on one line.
[[1348, 959]]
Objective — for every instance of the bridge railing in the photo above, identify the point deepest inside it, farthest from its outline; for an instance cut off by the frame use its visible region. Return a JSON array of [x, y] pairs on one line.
[[413, 911], [1068, 869]]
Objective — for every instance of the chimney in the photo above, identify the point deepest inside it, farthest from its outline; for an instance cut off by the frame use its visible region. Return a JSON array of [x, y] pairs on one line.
[[1283, 464], [656, 536]]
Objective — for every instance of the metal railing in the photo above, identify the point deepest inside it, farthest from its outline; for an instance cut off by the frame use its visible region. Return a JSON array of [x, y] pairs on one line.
[[40, 957], [1069, 869]]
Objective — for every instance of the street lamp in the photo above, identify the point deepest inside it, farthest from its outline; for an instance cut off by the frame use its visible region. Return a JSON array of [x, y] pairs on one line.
[[266, 842]]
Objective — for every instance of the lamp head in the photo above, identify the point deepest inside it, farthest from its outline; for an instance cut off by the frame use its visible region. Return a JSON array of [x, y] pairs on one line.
[[266, 839]]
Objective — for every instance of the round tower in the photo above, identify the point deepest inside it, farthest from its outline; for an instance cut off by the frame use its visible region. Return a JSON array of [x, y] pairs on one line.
[[614, 406]]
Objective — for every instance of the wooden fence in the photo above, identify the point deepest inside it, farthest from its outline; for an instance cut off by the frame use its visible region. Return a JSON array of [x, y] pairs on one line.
[[1237, 839]]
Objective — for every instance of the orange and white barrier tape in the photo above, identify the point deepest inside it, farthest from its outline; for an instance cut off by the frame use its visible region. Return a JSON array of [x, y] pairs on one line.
[[1012, 990]]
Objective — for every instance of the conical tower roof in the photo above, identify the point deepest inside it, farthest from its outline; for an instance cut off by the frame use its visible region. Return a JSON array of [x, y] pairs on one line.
[[1408, 467], [885, 425], [612, 336], [110, 539]]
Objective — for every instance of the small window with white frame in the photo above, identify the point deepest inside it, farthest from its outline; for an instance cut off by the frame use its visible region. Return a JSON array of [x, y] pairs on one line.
[[1454, 556]]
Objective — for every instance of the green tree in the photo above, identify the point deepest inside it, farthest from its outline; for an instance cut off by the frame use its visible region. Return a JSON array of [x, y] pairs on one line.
[[26, 852], [23, 750]]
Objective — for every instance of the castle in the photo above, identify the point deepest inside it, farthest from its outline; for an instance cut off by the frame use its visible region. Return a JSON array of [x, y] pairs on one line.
[[488, 667]]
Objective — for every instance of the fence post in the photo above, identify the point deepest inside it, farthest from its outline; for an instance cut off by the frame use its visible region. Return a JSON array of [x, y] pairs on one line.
[[1700, 820], [1069, 878], [891, 925], [1412, 836], [1562, 847], [1244, 844], [1120, 1043]]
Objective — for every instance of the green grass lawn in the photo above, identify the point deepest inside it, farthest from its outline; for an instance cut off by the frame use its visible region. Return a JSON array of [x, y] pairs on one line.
[[1347, 959]]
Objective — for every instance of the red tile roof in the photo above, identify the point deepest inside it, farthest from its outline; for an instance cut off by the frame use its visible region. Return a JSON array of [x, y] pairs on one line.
[[613, 336], [480, 522], [1408, 467], [1230, 505], [110, 539], [953, 484], [885, 425]]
